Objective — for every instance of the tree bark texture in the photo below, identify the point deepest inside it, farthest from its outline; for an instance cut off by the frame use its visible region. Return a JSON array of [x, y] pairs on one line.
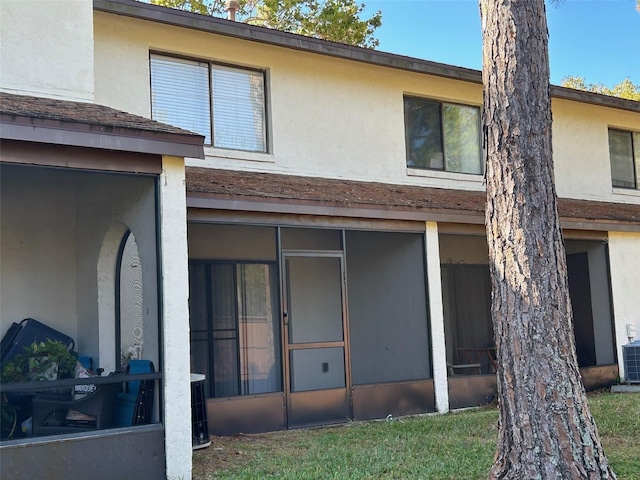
[[545, 429]]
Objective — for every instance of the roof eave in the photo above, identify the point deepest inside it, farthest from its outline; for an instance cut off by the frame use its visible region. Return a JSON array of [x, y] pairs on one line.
[[326, 209], [286, 194], [78, 134], [196, 200], [592, 98], [253, 33]]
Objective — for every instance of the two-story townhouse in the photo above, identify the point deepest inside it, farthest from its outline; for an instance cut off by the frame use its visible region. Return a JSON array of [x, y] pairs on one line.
[[336, 249], [350, 182], [93, 244]]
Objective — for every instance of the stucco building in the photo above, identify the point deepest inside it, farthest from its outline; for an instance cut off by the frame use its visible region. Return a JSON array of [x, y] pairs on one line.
[[321, 258]]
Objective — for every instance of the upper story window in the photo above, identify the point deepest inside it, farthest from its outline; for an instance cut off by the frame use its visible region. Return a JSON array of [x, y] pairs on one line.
[[442, 136], [225, 104], [624, 152]]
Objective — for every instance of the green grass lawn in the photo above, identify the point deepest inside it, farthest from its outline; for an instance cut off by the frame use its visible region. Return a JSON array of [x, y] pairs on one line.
[[452, 446]]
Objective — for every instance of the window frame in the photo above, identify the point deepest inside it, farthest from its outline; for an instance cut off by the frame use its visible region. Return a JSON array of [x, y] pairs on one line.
[[211, 64], [441, 106], [635, 159]]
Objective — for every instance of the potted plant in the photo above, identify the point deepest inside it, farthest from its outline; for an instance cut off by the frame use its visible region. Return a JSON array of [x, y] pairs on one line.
[[41, 361], [48, 360]]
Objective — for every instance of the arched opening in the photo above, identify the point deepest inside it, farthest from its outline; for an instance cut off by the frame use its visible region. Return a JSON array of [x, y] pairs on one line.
[[129, 329], [108, 262]]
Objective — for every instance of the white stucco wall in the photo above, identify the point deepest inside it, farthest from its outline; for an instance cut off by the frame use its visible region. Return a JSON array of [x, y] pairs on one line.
[[175, 317], [624, 258], [436, 317], [106, 291], [342, 119], [46, 48]]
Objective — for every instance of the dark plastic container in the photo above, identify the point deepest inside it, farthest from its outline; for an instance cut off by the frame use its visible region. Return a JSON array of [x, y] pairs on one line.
[[199, 425], [23, 334]]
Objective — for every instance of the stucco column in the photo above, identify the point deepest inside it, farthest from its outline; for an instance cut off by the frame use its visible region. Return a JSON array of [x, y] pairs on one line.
[[436, 315], [175, 319], [624, 261]]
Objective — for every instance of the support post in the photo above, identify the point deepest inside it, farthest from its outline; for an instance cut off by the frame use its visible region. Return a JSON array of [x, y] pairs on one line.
[[438, 348]]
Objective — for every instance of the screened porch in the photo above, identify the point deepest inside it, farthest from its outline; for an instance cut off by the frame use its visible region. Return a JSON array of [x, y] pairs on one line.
[[299, 326], [79, 257], [466, 292]]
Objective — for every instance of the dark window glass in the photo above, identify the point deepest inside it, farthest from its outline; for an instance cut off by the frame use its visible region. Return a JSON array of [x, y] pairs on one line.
[[621, 154], [442, 136], [423, 133]]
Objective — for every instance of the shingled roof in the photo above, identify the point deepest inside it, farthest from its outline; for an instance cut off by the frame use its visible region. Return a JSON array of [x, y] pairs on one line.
[[48, 120], [80, 112], [278, 188]]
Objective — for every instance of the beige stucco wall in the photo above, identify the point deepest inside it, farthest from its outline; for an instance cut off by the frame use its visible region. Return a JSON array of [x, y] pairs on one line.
[[46, 48], [342, 119], [328, 117], [624, 258], [581, 150]]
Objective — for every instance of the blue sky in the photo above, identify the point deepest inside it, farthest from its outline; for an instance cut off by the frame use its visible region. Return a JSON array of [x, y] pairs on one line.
[[595, 39]]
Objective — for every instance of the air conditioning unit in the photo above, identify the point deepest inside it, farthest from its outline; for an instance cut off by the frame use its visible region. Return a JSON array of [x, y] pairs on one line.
[[631, 358]]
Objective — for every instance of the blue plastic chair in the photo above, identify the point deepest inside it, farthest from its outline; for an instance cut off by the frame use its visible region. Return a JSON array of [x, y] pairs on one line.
[[133, 407]]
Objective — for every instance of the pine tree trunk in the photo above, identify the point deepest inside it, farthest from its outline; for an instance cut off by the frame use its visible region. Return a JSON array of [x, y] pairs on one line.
[[546, 430]]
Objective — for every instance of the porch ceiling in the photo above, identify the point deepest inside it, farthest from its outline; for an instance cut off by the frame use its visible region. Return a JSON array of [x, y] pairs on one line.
[[267, 192], [79, 124]]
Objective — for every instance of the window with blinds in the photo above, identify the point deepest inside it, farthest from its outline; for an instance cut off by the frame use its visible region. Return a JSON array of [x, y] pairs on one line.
[[226, 105]]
